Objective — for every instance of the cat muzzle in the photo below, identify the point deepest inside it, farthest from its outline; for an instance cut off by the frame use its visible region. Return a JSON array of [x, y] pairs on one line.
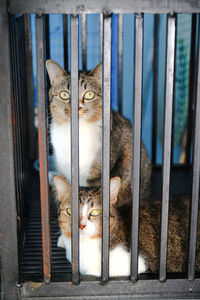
[[81, 226]]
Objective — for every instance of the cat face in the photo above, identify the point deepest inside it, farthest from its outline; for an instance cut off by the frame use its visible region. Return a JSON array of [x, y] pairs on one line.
[[90, 93], [90, 207]]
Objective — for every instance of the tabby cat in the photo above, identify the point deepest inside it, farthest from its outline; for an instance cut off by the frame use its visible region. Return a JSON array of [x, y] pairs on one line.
[[90, 133], [90, 233], [90, 205]]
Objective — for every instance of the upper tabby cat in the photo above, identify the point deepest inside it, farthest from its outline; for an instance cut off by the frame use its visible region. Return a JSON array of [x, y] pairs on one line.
[[90, 133]]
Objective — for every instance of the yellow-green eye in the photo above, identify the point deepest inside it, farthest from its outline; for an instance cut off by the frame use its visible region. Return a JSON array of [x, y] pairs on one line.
[[95, 212], [89, 95], [64, 95], [69, 211]]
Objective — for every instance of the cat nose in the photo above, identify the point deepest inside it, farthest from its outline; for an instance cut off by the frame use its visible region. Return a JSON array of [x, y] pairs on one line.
[[82, 226]]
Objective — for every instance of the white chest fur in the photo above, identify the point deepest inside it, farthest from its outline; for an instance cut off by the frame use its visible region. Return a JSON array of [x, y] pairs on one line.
[[90, 257], [89, 145]]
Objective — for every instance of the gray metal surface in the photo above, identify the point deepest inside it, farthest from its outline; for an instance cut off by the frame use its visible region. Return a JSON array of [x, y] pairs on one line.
[[65, 41], [149, 289], [43, 150], [137, 114], [195, 183], [8, 222], [74, 149], [106, 83], [103, 6], [167, 143]]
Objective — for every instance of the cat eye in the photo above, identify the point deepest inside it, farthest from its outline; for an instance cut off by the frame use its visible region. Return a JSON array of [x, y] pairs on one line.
[[95, 212], [69, 211], [89, 95], [64, 95]]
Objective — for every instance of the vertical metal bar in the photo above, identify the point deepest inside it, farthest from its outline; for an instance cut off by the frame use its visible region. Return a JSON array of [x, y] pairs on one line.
[[65, 41], [136, 143], [84, 41], [43, 150], [195, 183], [192, 83], [155, 87], [101, 35], [30, 89], [120, 46], [106, 83], [74, 149], [8, 224], [167, 142]]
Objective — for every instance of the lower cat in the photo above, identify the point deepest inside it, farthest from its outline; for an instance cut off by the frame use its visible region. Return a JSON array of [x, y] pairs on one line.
[[90, 211], [90, 207]]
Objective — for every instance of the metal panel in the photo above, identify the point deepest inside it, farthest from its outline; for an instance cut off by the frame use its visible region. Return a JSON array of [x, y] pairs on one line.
[[104, 6], [195, 184], [8, 224], [142, 289], [43, 150], [136, 143], [106, 144], [74, 149], [167, 143], [120, 47]]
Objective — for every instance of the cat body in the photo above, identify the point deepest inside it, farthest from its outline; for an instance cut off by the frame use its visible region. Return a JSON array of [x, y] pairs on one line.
[[90, 232], [178, 234], [90, 134]]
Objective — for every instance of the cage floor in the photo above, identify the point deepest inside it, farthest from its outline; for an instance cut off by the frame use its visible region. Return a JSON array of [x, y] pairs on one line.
[[31, 253]]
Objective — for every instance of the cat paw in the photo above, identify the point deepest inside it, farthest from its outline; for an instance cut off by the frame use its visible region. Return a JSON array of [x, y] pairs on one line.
[[60, 242]]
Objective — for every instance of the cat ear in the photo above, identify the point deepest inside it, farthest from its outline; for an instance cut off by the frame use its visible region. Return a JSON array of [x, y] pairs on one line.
[[62, 187], [114, 189], [97, 71], [54, 70]]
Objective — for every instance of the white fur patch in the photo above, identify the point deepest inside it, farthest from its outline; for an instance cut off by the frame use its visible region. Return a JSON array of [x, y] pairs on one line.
[[90, 257], [89, 144]]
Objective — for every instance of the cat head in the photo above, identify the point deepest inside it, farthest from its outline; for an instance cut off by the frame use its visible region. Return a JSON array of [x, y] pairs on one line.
[[90, 93], [90, 207]]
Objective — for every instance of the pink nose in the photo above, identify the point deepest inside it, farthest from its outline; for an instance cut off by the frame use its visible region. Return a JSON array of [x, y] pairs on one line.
[[82, 226]]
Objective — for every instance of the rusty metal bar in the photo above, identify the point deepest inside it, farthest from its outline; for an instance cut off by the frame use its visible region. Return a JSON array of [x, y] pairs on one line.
[[196, 177], [43, 150], [120, 47], [74, 149], [137, 115], [8, 222], [84, 41], [167, 142], [106, 83]]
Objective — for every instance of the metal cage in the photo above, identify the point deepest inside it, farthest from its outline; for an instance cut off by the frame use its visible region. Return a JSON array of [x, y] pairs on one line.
[[18, 145]]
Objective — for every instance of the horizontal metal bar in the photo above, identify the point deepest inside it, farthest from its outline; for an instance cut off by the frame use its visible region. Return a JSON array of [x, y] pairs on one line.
[[74, 149], [195, 183], [43, 150], [106, 83], [167, 143], [180, 287], [103, 6], [136, 143]]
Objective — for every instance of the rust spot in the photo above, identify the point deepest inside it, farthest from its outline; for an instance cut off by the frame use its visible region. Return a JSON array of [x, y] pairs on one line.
[[34, 285]]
